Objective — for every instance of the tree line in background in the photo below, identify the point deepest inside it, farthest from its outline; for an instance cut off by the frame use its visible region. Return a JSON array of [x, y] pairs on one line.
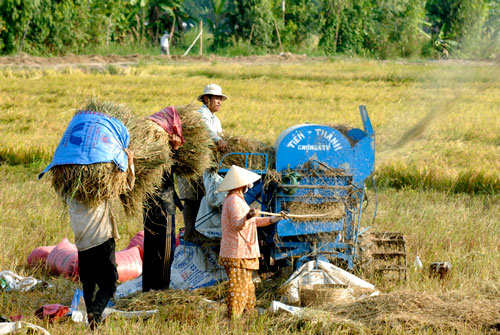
[[373, 28]]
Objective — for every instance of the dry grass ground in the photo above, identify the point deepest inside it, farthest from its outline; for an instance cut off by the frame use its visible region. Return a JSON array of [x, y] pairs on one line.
[[438, 180]]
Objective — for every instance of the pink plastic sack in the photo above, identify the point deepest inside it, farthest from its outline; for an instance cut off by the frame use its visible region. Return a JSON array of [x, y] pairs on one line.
[[40, 254], [64, 259], [137, 240], [129, 263]]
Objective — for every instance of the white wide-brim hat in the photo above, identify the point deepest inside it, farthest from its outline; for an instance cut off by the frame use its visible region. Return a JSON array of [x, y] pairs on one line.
[[212, 89], [237, 177]]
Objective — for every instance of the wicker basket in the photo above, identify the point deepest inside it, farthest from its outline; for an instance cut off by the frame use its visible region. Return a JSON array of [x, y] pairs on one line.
[[317, 295]]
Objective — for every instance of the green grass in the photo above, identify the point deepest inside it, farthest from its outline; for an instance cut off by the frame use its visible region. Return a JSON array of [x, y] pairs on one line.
[[437, 169]]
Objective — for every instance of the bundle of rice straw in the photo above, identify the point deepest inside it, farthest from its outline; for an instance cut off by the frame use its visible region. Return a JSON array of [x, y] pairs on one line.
[[242, 144], [89, 184], [152, 155], [194, 156], [95, 183]]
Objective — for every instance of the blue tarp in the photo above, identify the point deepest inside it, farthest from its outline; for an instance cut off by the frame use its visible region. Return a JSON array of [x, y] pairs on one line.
[[91, 138]]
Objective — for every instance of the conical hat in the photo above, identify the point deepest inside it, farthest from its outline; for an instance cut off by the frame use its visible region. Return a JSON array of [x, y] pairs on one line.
[[237, 177]]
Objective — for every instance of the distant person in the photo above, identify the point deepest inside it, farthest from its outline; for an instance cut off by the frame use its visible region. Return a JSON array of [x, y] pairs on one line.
[[239, 249], [164, 44], [211, 98]]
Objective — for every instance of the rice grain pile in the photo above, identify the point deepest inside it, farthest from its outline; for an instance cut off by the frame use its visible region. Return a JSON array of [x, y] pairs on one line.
[[242, 144]]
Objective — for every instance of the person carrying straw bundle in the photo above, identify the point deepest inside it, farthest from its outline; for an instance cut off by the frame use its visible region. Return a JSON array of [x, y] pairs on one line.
[[192, 193], [159, 213], [90, 139], [239, 249]]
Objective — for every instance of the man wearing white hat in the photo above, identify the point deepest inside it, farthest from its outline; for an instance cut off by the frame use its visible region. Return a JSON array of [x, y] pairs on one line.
[[212, 98], [239, 249], [192, 194]]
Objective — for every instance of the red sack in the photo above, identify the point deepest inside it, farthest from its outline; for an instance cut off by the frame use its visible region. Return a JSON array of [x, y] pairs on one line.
[[64, 259], [40, 254], [51, 312], [137, 240], [129, 263]]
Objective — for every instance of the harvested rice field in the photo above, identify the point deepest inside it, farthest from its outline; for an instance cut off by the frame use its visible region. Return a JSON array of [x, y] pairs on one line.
[[437, 177]]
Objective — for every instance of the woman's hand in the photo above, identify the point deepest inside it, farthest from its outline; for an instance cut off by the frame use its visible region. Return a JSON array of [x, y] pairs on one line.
[[252, 213]]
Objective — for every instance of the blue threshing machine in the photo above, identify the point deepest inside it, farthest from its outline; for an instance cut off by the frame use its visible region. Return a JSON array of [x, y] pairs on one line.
[[319, 175]]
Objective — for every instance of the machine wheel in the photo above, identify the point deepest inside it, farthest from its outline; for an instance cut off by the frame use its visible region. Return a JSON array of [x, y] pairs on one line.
[[382, 256]]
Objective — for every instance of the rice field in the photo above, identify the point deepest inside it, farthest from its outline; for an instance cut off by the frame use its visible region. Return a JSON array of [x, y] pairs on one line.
[[437, 130]]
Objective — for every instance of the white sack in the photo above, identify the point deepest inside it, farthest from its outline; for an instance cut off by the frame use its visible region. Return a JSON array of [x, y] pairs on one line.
[[194, 267], [325, 273]]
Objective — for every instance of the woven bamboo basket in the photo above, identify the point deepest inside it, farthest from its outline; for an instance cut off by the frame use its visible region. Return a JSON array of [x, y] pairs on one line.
[[319, 294]]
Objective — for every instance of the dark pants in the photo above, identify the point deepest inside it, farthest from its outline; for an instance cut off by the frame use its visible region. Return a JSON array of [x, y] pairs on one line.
[[97, 266], [189, 214], [159, 247], [159, 236]]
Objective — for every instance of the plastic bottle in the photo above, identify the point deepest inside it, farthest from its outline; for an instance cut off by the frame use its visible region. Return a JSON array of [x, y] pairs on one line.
[[418, 264]]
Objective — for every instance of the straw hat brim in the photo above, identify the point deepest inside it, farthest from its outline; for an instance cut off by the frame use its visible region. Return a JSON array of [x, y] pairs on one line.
[[237, 177], [200, 98]]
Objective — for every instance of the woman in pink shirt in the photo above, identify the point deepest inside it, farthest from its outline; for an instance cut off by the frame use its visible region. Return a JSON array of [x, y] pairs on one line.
[[239, 250]]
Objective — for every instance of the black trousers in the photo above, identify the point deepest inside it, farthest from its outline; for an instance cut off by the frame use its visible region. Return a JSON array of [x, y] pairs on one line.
[[97, 266], [159, 247], [159, 236]]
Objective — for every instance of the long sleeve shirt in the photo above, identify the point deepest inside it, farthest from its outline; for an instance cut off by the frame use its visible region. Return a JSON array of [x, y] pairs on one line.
[[212, 123], [239, 235]]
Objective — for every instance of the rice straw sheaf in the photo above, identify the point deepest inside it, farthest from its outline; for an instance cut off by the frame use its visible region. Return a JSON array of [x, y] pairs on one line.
[[242, 144], [152, 155], [89, 184], [194, 156], [95, 183], [92, 184]]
